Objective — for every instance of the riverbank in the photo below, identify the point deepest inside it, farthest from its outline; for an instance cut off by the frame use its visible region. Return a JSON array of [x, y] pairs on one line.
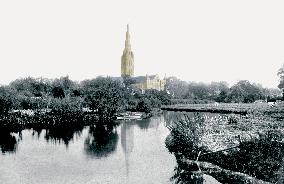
[[255, 109], [18, 120], [251, 145], [207, 169], [206, 108]]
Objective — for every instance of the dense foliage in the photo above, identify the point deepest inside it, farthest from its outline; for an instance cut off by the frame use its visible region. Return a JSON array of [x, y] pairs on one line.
[[62, 101], [105, 96], [6, 99], [243, 91]]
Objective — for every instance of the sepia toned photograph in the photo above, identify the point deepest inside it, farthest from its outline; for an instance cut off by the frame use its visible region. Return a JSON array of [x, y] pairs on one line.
[[141, 92]]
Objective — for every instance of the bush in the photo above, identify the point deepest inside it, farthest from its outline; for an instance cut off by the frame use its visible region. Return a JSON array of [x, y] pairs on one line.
[[144, 105], [186, 136]]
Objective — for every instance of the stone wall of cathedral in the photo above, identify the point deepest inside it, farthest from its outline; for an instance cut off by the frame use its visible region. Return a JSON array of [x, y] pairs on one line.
[[154, 83]]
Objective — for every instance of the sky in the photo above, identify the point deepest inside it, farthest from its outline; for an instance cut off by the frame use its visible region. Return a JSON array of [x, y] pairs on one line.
[[200, 41]]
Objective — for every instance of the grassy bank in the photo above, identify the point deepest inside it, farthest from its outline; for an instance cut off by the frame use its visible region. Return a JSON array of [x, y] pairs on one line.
[[236, 147], [237, 108]]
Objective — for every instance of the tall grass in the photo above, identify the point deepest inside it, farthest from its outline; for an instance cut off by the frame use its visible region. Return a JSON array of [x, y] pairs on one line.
[[249, 146]]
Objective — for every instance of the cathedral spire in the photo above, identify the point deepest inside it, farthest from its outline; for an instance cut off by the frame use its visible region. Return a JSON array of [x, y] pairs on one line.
[[127, 59], [127, 40]]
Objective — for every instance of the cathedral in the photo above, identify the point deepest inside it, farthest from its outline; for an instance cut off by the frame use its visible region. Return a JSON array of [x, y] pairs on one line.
[[127, 70], [127, 58]]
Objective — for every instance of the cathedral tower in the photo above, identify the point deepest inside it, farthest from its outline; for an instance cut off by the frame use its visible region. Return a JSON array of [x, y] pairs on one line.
[[127, 59]]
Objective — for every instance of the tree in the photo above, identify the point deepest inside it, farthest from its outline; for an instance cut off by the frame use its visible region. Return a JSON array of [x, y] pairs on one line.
[[58, 92], [222, 96], [199, 91], [157, 98], [272, 93], [281, 83], [144, 105], [245, 92], [128, 81], [104, 95], [7, 99], [68, 86], [177, 88], [31, 86], [218, 91]]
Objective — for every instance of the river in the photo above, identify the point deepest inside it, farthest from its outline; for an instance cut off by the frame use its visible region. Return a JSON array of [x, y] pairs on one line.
[[134, 152]]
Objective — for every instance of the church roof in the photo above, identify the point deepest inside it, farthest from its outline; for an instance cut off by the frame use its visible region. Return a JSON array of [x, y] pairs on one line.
[[139, 79], [152, 76], [117, 78]]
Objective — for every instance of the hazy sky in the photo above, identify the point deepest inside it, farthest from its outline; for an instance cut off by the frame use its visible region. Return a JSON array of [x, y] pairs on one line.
[[193, 40]]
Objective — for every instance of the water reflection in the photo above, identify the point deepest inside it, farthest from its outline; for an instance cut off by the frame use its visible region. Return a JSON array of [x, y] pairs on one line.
[[37, 132], [59, 134], [8, 142], [100, 142], [150, 123], [94, 155], [62, 134], [261, 156], [144, 124], [127, 142]]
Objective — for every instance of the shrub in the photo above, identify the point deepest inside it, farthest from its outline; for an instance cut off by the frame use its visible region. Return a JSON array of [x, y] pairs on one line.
[[144, 105]]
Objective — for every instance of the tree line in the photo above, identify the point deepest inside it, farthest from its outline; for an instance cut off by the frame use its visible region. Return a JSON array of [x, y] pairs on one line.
[[104, 96], [108, 96], [241, 92]]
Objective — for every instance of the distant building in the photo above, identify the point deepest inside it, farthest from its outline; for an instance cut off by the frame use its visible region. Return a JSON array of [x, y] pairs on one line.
[[149, 82], [127, 58], [127, 70]]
